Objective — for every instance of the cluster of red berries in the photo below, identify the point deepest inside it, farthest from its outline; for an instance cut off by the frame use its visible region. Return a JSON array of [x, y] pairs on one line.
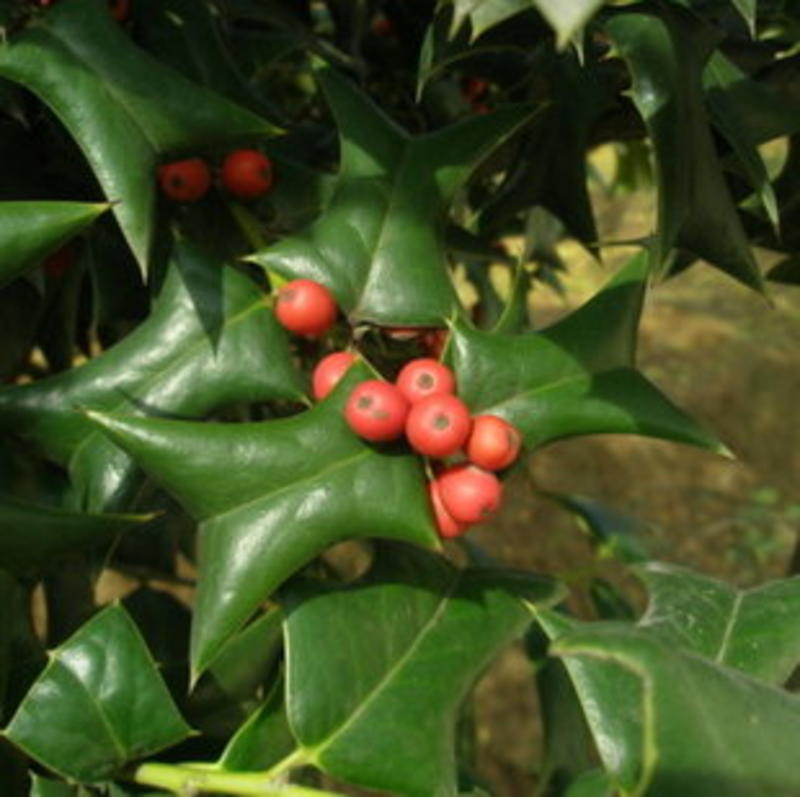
[[244, 174], [421, 405]]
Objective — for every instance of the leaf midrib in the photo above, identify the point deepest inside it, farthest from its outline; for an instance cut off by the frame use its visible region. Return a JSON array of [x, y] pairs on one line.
[[337, 465], [317, 750]]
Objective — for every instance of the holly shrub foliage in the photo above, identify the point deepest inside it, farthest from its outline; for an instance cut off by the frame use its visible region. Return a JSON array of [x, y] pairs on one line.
[[156, 418]]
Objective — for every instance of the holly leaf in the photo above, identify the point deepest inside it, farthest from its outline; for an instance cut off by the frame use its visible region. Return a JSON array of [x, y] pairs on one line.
[[576, 377], [667, 54], [34, 534], [754, 631], [382, 711], [103, 681], [30, 231], [81, 64], [720, 78], [302, 484], [380, 243], [670, 722], [210, 341], [565, 17]]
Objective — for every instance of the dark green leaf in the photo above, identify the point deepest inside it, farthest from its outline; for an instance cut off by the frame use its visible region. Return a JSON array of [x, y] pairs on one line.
[[576, 377], [79, 61], [668, 722], [787, 271], [44, 787], [264, 740], [401, 647], [29, 231], [754, 631], [666, 54], [732, 120], [211, 341], [103, 682], [550, 169], [33, 534], [302, 484], [379, 245]]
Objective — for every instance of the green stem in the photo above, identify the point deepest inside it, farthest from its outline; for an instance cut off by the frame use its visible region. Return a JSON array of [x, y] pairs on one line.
[[184, 779]]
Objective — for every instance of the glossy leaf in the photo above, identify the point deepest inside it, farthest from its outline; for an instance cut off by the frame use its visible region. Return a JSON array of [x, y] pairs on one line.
[[556, 181], [302, 483], [264, 740], [576, 377], [666, 54], [103, 682], [754, 631], [101, 86], [382, 711], [688, 725], [210, 341], [565, 17], [379, 245], [33, 534], [29, 231], [720, 78]]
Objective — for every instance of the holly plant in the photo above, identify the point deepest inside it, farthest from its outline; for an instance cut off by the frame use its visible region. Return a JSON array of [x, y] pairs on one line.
[[268, 357]]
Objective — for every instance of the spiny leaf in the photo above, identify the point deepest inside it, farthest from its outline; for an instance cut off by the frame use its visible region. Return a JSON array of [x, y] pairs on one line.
[[666, 53], [565, 17], [29, 231], [34, 534], [302, 483], [103, 682], [754, 631], [576, 377], [379, 245], [101, 86], [210, 341], [382, 711], [689, 726]]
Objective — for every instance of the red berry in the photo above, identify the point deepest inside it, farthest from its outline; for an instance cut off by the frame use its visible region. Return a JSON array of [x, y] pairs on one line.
[[474, 88], [305, 307], [186, 180], [329, 371], [247, 173], [61, 261], [425, 377], [438, 425], [120, 9], [493, 443], [382, 26], [447, 526], [468, 493], [376, 411]]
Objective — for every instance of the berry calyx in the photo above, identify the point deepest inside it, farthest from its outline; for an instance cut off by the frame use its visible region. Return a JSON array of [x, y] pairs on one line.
[[376, 411], [470, 494], [185, 180], [305, 307], [447, 526], [437, 426], [425, 377], [329, 372], [493, 443], [247, 173]]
